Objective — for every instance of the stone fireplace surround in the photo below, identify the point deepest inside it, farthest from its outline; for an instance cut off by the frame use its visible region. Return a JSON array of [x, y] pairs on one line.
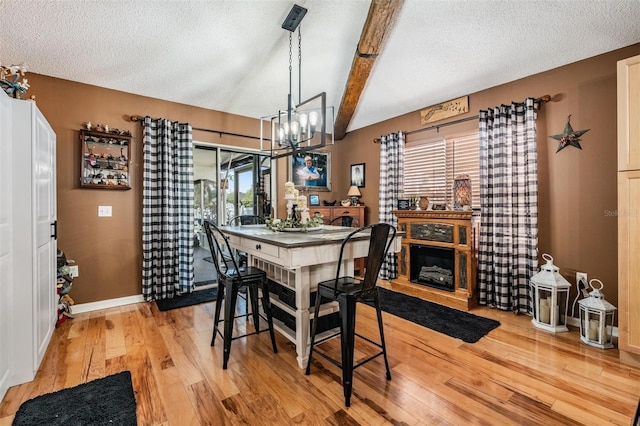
[[444, 231]]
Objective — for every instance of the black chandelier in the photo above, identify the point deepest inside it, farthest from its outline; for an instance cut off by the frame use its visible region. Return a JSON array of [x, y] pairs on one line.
[[302, 127]]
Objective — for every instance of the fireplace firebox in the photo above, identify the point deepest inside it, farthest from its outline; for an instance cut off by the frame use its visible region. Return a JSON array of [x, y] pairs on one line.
[[432, 266]]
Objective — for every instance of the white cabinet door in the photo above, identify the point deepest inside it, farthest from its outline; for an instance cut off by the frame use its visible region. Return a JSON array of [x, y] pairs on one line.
[[44, 188], [6, 258], [34, 301]]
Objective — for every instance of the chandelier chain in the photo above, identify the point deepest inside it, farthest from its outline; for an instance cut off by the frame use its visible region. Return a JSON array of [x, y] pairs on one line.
[[290, 64], [300, 64]]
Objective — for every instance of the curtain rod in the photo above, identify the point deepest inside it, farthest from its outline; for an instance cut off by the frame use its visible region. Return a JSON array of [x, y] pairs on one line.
[[543, 99], [139, 118]]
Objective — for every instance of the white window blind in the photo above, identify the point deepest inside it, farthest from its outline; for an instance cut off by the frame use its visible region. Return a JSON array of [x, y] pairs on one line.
[[432, 164]]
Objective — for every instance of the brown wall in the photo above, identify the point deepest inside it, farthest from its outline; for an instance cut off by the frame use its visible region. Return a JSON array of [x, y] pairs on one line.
[[577, 187], [108, 250]]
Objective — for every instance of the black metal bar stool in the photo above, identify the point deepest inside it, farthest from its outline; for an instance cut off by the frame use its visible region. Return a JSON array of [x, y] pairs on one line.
[[246, 219], [232, 278], [347, 291]]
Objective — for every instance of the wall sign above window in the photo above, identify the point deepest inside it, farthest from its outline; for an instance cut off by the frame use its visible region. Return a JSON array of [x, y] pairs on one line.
[[444, 110]]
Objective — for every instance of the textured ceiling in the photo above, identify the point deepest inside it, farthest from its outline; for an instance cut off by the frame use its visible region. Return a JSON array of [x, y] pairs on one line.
[[232, 56]]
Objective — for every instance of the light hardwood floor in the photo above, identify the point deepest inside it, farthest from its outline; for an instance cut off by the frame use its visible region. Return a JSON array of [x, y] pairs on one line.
[[516, 375]]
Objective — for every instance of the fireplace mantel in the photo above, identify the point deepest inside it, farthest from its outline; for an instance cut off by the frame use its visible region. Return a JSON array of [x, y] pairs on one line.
[[443, 229]]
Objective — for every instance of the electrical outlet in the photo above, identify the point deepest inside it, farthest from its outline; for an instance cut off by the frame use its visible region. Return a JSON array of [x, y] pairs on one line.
[[581, 276], [582, 283], [74, 271]]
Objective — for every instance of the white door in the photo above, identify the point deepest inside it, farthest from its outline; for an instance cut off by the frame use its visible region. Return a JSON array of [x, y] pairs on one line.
[[6, 258], [33, 249], [44, 188]]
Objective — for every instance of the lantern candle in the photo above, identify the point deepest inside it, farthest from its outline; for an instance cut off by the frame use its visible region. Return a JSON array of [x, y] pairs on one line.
[[594, 326], [544, 311]]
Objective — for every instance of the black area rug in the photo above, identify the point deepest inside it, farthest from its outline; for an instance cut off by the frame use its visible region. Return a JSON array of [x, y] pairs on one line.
[[195, 298], [107, 401], [459, 324]]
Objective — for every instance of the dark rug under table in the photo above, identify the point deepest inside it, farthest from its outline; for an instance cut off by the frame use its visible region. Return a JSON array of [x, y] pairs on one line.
[[455, 323]]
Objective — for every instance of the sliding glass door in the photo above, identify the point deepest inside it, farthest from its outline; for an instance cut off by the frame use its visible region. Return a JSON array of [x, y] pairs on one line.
[[228, 183], [247, 181]]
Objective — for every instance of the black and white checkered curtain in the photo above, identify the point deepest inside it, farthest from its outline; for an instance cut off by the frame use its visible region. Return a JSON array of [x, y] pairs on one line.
[[508, 243], [167, 210], [391, 188]]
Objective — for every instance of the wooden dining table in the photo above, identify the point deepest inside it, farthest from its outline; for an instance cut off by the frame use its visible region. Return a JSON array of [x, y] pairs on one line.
[[297, 261]]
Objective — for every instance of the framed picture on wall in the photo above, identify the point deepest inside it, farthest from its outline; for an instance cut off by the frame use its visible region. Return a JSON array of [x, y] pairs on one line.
[[314, 200], [311, 170], [403, 204], [357, 175]]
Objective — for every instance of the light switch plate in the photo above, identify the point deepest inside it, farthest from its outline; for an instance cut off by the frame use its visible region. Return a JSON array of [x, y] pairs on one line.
[[104, 211]]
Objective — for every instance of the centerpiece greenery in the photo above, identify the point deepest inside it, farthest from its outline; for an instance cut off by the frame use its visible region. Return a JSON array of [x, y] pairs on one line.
[[280, 224]]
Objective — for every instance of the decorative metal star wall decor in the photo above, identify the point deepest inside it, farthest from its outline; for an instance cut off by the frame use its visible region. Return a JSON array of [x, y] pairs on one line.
[[569, 137]]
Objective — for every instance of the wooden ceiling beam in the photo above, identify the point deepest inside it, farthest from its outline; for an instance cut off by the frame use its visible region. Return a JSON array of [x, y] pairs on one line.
[[379, 23]]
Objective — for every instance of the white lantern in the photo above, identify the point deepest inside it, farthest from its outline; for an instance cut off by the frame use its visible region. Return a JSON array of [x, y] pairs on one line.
[[550, 297], [596, 318]]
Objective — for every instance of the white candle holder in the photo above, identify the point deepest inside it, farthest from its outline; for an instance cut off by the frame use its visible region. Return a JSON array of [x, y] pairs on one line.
[[290, 195], [289, 206]]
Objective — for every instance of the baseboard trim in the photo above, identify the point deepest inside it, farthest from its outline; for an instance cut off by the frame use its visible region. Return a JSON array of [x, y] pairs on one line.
[[104, 304], [122, 301]]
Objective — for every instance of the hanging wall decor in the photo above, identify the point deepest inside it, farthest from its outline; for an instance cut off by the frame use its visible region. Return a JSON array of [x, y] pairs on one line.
[[569, 136], [444, 110]]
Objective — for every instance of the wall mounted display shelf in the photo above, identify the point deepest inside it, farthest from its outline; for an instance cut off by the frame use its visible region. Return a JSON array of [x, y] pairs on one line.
[[105, 160]]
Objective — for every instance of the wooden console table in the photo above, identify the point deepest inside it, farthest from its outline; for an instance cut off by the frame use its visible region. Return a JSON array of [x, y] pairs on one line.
[[442, 229], [331, 212]]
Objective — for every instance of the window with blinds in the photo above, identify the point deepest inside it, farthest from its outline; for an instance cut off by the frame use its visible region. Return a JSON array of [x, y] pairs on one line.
[[431, 165]]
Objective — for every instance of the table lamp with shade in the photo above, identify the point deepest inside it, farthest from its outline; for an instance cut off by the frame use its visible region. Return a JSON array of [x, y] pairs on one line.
[[354, 193]]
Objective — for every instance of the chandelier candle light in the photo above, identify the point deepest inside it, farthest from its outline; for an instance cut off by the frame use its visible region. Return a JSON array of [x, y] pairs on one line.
[[550, 297]]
